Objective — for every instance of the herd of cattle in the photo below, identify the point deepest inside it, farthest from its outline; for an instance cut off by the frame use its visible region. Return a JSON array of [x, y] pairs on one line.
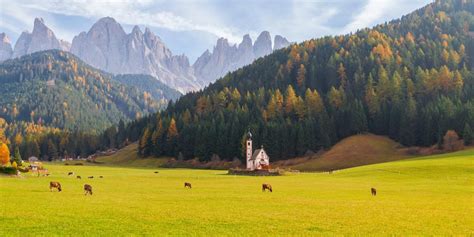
[[88, 187]]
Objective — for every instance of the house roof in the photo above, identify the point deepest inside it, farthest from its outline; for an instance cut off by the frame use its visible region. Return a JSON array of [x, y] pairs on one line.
[[33, 158]]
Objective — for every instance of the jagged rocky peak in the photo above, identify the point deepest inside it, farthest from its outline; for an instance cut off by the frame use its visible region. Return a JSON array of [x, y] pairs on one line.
[[41, 38], [263, 45], [5, 47], [226, 58], [280, 42], [246, 42], [40, 27], [106, 28], [136, 31], [202, 60], [245, 54], [108, 47], [4, 38], [156, 45], [222, 43], [22, 44]]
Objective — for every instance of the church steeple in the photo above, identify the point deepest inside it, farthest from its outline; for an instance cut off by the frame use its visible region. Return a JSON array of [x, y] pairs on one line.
[[248, 151]]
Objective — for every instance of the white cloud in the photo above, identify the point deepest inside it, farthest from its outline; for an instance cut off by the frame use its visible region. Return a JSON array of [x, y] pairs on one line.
[[379, 11], [128, 12], [13, 17], [371, 14]]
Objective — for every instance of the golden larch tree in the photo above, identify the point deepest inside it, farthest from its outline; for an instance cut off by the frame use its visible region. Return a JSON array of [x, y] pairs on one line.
[[4, 154]]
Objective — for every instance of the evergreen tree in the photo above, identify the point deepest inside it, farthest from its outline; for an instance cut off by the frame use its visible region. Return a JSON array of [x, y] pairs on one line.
[[467, 134], [17, 156]]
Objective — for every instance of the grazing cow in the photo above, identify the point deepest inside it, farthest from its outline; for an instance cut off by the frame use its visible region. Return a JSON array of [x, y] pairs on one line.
[[187, 185], [101, 176], [90, 177], [79, 177], [373, 191], [70, 173], [87, 189], [56, 185], [267, 187], [156, 172]]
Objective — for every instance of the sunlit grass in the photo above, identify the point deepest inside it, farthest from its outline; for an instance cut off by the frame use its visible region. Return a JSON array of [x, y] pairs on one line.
[[427, 196]]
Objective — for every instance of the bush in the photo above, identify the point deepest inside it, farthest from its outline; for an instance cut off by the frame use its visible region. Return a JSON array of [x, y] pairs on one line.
[[14, 165], [24, 170], [451, 141], [8, 170]]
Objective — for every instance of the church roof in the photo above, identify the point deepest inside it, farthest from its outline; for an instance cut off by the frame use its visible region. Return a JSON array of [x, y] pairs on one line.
[[256, 152]]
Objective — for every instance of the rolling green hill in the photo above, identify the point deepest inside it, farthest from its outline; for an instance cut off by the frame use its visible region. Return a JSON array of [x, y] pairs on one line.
[[57, 89], [354, 151], [128, 157]]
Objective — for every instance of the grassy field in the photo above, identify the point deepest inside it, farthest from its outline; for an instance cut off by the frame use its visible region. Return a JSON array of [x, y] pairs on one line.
[[424, 196]]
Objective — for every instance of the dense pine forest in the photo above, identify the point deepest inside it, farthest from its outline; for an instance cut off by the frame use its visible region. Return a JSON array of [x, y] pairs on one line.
[[410, 79], [149, 84]]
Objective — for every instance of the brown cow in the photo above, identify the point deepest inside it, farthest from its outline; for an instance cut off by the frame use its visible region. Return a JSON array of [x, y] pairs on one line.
[[79, 177], [373, 191], [70, 173], [187, 185], [87, 189], [56, 185], [90, 177], [101, 176], [267, 187]]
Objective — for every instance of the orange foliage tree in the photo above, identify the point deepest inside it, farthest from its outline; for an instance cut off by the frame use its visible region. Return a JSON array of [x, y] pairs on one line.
[[4, 154]]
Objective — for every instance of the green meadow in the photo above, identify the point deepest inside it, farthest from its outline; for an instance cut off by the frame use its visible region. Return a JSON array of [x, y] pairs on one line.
[[423, 196]]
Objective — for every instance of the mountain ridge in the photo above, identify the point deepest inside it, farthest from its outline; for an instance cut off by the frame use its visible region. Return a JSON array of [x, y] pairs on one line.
[[60, 90], [108, 47]]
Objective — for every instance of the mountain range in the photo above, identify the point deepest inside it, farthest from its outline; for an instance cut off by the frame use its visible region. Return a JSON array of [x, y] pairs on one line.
[[108, 47], [227, 58]]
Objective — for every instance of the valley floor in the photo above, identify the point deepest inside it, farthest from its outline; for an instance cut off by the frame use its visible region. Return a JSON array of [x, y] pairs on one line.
[[423, 196]]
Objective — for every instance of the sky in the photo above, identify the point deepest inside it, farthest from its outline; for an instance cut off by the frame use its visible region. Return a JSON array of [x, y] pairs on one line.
[[191, 26]]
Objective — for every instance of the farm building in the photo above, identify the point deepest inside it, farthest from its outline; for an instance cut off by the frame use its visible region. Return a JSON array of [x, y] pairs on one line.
[[258, 159], [34, 163]]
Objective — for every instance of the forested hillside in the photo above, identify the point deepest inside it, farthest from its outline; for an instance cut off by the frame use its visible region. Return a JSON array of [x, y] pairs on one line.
[[56, 89], [157, 89], [410, 79]]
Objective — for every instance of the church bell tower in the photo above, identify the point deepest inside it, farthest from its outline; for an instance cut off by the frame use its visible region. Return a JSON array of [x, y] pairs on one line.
[[248, 151]]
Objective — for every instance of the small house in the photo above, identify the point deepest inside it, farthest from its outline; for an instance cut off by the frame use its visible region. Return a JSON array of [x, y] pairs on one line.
[[34, 163]]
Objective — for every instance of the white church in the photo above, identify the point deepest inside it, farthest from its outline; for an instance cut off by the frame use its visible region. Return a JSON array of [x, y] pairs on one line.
[[257, 160]]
